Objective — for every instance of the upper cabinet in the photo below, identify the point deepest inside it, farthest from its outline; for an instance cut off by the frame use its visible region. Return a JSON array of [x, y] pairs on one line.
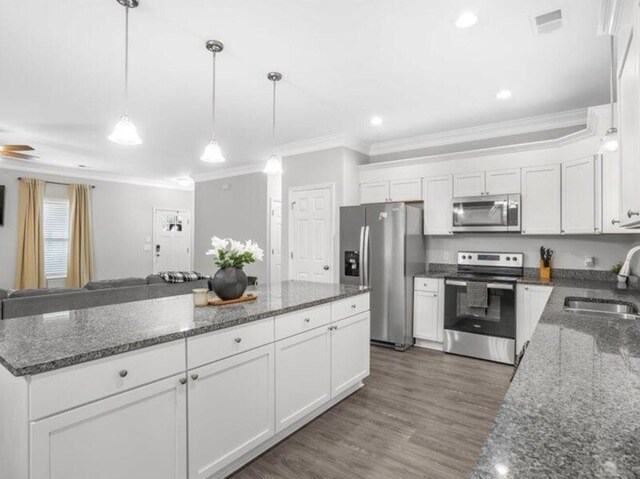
[[579, 196], [541, 200], [394, 190], [497, 182], [438, 192]]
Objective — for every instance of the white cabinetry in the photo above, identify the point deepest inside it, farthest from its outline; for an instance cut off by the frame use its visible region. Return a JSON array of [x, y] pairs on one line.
[[468, 184], [394, 190], [502, 182], [531, 301], [579, 197], [350, 339], [374, 192], [140, 433], [438, 192], [231, 409], [541, 200], [428, 312]]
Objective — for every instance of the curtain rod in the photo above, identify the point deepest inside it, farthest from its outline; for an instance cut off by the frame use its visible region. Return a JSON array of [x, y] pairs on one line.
[[57, 183]]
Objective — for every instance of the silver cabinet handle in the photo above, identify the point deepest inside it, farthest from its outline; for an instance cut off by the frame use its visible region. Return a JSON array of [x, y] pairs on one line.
[[631, 213], [238, 340], [183, 380], [123, 373], [435, 295], [615, 221], [195, 376], [307, 320], [326, 267], [353, 306]]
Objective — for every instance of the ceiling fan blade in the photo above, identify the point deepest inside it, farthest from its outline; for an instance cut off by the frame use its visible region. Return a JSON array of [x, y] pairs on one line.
[[15, 148], [18, 156]]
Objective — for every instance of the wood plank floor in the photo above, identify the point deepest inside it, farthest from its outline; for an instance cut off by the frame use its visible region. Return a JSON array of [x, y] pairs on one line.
[[422, 414]]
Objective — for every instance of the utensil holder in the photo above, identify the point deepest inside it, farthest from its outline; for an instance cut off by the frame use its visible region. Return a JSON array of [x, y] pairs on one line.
[[545, 272]]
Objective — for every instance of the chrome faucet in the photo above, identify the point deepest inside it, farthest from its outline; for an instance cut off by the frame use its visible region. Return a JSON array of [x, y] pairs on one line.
[[623, 275]]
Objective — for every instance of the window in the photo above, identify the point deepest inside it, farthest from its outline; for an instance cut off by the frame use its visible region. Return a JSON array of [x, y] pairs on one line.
[[56, 237]]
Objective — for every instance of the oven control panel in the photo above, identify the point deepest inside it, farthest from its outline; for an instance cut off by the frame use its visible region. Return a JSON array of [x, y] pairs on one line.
[[476, 258]]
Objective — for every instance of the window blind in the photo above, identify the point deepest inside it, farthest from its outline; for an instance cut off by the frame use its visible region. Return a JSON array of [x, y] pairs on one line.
[[56, 237]]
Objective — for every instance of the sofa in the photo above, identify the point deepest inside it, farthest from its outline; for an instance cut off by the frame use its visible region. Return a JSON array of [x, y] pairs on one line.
[[30, 302]]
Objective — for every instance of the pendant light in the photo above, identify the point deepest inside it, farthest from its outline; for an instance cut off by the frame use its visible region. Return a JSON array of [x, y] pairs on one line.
[[212, 152], [125, 132], [274, 164], [610, 139]]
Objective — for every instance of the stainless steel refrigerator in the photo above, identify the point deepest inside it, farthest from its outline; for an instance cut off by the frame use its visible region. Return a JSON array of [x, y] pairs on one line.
[[383, 246]]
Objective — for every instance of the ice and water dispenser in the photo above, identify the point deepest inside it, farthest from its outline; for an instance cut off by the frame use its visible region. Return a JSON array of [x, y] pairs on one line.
[[352, 263]]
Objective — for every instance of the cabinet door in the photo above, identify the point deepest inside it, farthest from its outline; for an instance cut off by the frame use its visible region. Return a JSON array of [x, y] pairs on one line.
[[438, 192], [629, 107], [374, 192], [406, 190], [578, 196], [303, 382], [231, 409], [141, 433], [502, 182], [468, 184], [349, 352], [541, 200], [530, 303], [426, 321]]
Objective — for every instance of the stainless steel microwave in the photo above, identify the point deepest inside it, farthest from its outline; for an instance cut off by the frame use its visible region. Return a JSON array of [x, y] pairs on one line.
[[490, 214]]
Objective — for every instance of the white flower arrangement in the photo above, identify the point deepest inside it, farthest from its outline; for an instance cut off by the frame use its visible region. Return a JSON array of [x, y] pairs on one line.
[[229, 253]]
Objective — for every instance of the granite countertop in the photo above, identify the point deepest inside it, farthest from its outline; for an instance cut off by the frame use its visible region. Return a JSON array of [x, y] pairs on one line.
[[573, 408], [36, 344]]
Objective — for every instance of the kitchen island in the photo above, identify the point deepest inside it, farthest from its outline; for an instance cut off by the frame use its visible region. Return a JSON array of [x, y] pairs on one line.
[[573, 408], [161, 389]]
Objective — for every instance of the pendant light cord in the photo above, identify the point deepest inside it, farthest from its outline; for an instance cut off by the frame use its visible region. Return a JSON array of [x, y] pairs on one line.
[[612, 80], [126, 60], [213, 100], [273, 127]]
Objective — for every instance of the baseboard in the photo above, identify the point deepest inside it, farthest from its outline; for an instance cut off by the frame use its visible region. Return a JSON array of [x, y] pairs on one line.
[[427, 344], [268, 444]]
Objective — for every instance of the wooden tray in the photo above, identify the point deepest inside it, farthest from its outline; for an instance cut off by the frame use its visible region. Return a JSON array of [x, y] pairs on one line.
[[241, 299]]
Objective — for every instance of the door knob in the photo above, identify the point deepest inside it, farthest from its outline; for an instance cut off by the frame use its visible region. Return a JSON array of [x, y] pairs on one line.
[[326, 267], [615, 221], [631, 213]]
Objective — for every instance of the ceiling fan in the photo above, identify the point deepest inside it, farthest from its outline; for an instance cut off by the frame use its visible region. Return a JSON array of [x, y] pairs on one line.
[[11, 151]]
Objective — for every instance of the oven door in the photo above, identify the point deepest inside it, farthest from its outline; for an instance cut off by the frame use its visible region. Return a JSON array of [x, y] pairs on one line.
[[498, 320], [497, 213]]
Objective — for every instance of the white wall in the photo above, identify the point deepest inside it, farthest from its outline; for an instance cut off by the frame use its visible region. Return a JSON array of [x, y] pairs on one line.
[[234, 207], [122, 216]]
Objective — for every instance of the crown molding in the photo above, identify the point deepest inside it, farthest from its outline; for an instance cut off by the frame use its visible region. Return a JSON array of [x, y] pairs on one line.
[[484, 132], [91, 175], [322, 143], [229, 172], [610, 14]]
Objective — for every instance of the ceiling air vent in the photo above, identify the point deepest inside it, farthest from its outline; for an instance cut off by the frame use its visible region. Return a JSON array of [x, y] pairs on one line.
[[547, 22]]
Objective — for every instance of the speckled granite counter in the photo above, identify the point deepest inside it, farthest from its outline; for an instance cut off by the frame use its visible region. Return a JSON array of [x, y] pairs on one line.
[[35, 344], [573, 409]]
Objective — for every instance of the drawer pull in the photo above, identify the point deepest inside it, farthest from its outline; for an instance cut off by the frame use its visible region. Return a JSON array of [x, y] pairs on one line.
[[307, 320], [195, 376], [354, 306], [183, 380], [238, 340], [123, 373]]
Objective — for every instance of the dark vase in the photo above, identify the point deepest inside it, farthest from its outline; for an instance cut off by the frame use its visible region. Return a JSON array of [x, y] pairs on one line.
[[228, 283]]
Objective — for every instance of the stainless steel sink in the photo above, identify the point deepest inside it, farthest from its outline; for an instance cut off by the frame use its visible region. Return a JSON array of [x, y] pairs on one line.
[[601, 307]]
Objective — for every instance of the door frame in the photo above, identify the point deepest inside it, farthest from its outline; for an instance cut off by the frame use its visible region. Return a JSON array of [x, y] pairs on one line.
[[153, 236], [332, 222]]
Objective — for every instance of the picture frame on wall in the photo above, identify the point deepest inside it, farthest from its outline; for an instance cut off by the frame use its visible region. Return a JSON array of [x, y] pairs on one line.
[[2, 188]]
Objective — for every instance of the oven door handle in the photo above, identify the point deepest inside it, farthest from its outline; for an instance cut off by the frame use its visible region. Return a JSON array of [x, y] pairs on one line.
[[489, 285]]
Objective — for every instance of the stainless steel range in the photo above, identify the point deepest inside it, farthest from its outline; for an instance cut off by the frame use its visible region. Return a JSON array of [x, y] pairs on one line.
[[480, 306]]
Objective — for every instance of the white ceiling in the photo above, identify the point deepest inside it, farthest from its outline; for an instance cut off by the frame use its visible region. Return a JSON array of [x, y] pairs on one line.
[[343, 62]]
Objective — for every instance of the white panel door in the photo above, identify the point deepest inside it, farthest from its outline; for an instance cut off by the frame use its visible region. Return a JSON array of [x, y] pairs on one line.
[[172, 240], [141, 433], [438, 192], [578, 196], [311, 257], [541, 202], [350, 340], [426, 321], [502, 182], [468, 184], [374, 192], [231, 409], [275, 235], [303, 382], [406, 190]]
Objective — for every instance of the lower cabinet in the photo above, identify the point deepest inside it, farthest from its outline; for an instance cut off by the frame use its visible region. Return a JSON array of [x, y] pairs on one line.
[[231, 409], [428, 312], [140, 433], [303, 382], [350, 340], [531, 301]]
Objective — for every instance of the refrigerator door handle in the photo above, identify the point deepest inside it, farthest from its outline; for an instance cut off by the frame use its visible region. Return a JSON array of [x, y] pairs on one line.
[[365, 254], [362, 256]]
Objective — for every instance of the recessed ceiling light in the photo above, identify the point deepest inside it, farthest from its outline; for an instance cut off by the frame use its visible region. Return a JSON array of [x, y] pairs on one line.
[[466, 19], [376, 121], [503, 94]]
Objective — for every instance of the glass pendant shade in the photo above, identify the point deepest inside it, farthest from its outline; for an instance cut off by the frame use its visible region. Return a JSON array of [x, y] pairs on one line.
[[273, 166], [212, 153], [610, 141], [125, 132]]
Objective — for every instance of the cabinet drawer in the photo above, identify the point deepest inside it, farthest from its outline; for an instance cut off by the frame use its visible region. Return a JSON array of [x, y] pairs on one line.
[[425, 284], [350, 306], [227, 342], [301, 321], [70, 387]]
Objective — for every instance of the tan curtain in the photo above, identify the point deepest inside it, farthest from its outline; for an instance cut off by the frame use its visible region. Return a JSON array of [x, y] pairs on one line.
[[30, 260], [80, 266]]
